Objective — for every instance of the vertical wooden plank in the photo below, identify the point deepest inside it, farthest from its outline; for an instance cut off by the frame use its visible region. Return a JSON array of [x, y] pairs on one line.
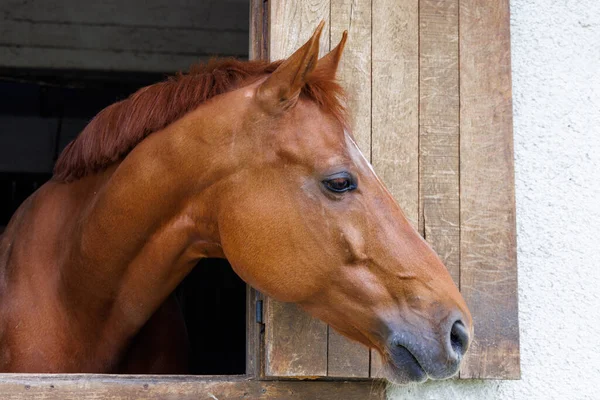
[[258, 38], [439, 206], [488, 275], [292, 22], [395, 104], [354, 71], [295, 343], [395, 100], [376, 367], [344, 357]]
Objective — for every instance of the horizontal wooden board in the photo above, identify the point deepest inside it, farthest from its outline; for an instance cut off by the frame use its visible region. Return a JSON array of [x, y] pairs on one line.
[[115, 38], [206, 14], [114, 387], [153, 36]]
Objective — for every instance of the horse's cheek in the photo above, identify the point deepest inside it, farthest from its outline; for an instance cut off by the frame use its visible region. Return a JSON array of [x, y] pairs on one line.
[[249, 234]]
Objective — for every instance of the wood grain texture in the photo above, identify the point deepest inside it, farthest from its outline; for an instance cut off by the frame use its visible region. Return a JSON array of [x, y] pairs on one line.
[[488, 240], [114, 387], [295, 343], [354, 71], [395, 100], [291, 24], [376, 367], [395, 104], [346, 358], [259, 39], [439, 203]]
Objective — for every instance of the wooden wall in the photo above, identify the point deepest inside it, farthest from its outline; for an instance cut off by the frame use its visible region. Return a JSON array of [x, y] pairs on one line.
[[150, 35], [431, 100]]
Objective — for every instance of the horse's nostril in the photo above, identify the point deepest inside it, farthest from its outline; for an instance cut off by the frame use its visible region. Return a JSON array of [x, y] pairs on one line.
[[459, 338]]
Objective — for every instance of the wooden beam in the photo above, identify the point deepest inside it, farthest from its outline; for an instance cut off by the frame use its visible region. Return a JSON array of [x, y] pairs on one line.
[[259, 34], [115, 387], [231, 15], [161, 36], [488, 276], [141, 40]]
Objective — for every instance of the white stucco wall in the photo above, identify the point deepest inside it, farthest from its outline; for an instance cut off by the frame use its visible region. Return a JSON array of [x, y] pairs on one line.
[[556, 91]]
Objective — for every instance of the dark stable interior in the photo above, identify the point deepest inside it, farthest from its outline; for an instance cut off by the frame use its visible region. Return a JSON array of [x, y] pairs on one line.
[[38, 118]]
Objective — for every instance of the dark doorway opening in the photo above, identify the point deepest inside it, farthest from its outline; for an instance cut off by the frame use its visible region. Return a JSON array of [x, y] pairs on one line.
[[37, 120]]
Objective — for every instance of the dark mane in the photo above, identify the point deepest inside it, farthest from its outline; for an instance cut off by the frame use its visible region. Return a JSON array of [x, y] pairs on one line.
[[117, 129]]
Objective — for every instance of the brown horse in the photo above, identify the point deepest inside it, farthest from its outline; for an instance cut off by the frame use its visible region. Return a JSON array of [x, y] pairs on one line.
[[251, 161]]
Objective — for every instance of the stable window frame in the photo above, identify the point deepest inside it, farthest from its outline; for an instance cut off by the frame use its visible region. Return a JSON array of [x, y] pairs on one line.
[[477, 79]]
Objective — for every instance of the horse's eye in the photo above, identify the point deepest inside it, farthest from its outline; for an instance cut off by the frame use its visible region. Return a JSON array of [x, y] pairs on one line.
[[340, 183]]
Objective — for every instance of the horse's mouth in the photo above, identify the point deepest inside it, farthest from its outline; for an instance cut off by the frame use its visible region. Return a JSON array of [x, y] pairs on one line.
[[403, 367]]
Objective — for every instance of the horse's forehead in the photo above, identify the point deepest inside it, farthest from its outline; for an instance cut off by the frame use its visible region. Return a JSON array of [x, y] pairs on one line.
[[314, 138], [318, 128]]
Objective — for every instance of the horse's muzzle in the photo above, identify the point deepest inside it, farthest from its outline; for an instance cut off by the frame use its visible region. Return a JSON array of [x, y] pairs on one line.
[[414, 355]]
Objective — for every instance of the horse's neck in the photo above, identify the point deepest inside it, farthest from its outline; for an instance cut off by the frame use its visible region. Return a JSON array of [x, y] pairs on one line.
[[141, 235], [116, 244]]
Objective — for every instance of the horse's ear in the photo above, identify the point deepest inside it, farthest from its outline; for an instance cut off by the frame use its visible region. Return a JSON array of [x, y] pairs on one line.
[[281, 90], [328, 65]]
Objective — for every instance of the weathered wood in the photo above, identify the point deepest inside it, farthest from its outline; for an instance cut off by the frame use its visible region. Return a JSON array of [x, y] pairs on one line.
[[346, 358], [114, 387], [259, 36], [291, 23], [488, 277], [253, 335], [354, 71], [157, 36], [439, 205], [395, 103], [376, 367], [295, 343]]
